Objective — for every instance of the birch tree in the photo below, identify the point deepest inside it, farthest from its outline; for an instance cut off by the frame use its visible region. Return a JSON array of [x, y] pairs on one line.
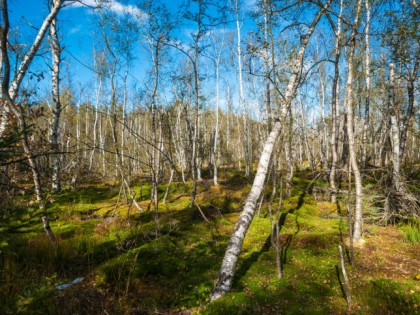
[[227, 270], [10, 89], [217, 45], [335, 108], [367, 78], [241, 92], [357, 228], [14, 85], [394, 134], [56, 110]]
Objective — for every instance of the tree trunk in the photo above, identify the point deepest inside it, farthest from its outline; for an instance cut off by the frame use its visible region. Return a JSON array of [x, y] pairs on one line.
[[335, 108], [234, 248], [242, 95], [47, 229], [56, 55], [367, 98], [357, 233], [394, 134], [410, 108]]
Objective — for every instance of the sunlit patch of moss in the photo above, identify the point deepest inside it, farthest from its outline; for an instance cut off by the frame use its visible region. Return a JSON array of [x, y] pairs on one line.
[[389, 296], [327, 209], [180, 203], [257, 234]]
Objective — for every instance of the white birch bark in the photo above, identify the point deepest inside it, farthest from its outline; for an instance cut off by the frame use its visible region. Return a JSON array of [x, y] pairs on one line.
[[56, 110], [242, 94], [357, 229], [394, 133], [367, 98], [335, 108], [217, 43], [98, 89]]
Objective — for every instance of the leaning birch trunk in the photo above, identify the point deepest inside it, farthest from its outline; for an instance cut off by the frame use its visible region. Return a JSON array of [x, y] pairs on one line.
[[56, 55], [357, 229], [47, 229], [346, 279], [234, 248], [227, 270]]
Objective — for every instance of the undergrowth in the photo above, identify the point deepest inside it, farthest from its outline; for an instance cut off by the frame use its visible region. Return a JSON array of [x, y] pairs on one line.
[[411, 231], [167, 262]]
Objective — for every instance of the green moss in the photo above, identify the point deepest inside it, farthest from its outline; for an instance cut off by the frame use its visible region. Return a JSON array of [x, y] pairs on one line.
[[391, 297], [168, 263]]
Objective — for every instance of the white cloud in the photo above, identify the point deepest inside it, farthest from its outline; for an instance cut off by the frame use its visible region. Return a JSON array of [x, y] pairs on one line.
[[250, 4], [76, 29], [111, 5]]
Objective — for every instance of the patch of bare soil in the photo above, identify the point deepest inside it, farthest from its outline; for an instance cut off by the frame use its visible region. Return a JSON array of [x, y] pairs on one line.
[[385, 254]]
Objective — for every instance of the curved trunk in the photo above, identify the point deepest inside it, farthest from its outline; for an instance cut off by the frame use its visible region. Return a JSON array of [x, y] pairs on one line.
[[357, 229]]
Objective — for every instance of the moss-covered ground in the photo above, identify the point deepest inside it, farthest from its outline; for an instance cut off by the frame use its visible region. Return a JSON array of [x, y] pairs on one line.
[[166, 261]]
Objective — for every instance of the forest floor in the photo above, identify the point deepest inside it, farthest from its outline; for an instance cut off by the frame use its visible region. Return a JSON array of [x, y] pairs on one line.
[[127, 262]]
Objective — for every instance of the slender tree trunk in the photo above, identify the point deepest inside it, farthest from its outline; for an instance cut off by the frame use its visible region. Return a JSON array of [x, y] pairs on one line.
[[228, 118], [335, 109], [410, 108], [78, 158], [367, 98], [346, 279], [357, 233], [153, 109], [290, 155], [195, 165], [47, 229], [95, 123], [169, 185], [309, 154], [216, 127], [394, 134], [56, 55], [242, 94]]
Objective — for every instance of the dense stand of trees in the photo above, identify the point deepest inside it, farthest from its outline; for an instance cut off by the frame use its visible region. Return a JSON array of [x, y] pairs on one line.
[[330, 86]]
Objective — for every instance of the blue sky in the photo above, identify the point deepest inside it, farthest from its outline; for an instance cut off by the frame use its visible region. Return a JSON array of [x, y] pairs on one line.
[[79, 35], [76, 28]]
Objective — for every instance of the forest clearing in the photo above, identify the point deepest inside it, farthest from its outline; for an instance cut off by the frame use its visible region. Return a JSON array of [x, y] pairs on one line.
[[134, 263], [209, 157]]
